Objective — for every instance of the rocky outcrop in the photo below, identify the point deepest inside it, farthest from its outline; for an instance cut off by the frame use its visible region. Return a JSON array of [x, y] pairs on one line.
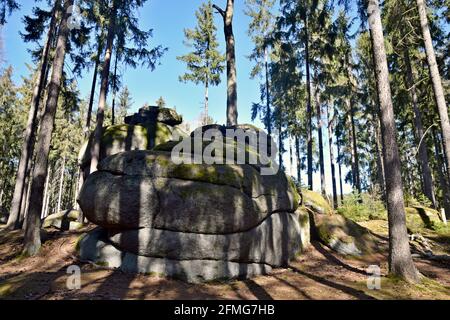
[[64, 220], [343, 235], [420, 217], [316, 202], [148, 115], [193, 221], [146, 129]]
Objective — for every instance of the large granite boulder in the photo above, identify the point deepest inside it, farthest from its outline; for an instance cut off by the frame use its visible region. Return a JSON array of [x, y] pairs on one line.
[[158, 216]]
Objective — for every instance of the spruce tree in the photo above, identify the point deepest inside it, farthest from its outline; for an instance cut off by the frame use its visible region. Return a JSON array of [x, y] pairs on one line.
[[204, 63]]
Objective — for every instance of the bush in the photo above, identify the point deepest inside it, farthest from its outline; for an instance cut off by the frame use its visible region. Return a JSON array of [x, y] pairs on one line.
[[363, 207]]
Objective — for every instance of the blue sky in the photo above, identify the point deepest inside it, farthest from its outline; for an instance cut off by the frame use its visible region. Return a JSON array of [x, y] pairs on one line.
[[168, 18]]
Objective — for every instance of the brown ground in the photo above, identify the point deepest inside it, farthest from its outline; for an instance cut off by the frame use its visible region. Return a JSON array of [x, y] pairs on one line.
[[317, 274]]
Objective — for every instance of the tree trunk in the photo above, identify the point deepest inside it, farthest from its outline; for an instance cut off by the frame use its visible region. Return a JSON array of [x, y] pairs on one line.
[[280, 144], [354, 145], [232, 113], [428, 189], [400, 260], [268, 111], [26, 204], [340, 169], [95, 149], [309, 134], [206, 111], [333, 167], [32, 239], [435, 80], [299, 165], [113, 117], [441, 173], [44, 205], [61, 184], [92, 95], [29, 135], [319, 129]]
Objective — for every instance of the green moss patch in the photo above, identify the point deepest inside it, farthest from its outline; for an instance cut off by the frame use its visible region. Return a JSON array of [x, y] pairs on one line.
[[316, 202], [419, 217]]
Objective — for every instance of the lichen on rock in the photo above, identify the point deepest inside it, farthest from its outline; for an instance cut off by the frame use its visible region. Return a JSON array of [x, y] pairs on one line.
[[160, 216]]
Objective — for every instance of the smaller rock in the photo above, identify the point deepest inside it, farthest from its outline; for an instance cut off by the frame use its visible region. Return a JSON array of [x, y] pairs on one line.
[[419, 217], [64, 220], [343, 235], [305, 229], [3, 215], [315, 202], [152, 114]]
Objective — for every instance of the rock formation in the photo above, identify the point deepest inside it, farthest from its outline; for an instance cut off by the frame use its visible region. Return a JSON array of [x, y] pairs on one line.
[[197, 222], [149, 127]]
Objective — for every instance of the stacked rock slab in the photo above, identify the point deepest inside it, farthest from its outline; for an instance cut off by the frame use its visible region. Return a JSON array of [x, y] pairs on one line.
[[144, 130], [196, 222]]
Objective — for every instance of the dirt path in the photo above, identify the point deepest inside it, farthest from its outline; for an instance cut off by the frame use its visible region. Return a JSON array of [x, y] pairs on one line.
[[317, 274]]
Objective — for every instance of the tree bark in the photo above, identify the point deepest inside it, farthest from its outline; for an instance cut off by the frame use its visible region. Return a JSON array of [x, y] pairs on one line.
[[428, 189], [29, 135], [333, 167], [319, 129], [340, 169], [206, 111], [299, 166], [400, 260], [95, 149], [441, 173], [113, 117], [61, 183], [227, 15], [435, 80], [93, 86], [44, 205], [309, 134], [32, 240], [268, 111]]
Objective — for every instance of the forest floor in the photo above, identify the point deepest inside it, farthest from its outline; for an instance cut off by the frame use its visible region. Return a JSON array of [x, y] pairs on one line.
[[319, 273]]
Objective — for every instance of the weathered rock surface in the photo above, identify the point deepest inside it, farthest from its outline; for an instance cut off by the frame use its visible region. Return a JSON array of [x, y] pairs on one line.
[[3, 215], [152, 114], [93, 247], [343, 235], [145, 189], [316, 202], [419, 217], [121, 138], [272, 242], [64, 220], [197, 222]]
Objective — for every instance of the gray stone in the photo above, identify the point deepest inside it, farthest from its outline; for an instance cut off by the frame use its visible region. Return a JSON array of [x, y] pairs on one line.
[[121, 138], [64, 220], [273, 242], [151, 114], [93, 247], [119, 201], [146, 189], [3, 215]]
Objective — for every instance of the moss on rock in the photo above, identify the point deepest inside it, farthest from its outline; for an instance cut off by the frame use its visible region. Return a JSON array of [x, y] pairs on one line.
[[316, 202], [419, 217], [343, 235]]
